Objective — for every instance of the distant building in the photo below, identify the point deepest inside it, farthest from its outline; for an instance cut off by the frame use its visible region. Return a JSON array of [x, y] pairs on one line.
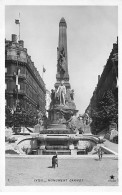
[[31, 88]]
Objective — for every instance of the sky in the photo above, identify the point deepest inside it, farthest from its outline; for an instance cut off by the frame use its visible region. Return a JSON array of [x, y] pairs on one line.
[[91, 32]]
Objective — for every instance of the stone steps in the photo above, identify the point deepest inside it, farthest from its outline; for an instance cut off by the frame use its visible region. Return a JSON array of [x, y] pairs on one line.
[[57, 147], [60, 152]]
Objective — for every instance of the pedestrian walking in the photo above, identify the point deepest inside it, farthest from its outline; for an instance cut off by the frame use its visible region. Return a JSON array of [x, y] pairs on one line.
[[100, 152], [55, 160]]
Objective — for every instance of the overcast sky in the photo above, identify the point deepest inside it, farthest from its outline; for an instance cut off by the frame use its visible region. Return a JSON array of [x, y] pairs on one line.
[[91, 32]]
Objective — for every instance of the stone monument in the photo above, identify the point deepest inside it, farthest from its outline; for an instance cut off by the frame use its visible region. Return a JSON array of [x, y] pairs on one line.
[[60, 132], [62, 106]]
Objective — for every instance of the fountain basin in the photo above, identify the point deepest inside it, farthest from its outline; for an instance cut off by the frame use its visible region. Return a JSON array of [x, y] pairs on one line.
[[70, 144]]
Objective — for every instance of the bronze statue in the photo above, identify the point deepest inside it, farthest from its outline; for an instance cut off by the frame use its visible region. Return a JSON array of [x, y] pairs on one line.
[[53, 96], [72, 94], [61, 61], [62, 92]]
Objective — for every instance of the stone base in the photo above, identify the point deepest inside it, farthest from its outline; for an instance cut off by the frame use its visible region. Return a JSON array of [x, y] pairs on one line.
[[42, 147], [66, 83], [57, 126], [74, 152], [59, 114], [40, 152]]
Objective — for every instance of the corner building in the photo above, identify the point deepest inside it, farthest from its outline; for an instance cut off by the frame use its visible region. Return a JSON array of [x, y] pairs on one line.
[[31, 87]]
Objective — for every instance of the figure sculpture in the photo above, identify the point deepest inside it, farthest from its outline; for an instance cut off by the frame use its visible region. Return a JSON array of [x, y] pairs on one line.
[[72, 94], [62, 92], [61, 61], [53, 97]]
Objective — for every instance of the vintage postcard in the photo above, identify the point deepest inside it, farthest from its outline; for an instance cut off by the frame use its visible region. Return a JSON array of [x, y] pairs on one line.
[[60, 104]]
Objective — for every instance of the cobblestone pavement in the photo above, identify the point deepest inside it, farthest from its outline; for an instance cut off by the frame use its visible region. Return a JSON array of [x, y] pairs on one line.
[[71, 171]]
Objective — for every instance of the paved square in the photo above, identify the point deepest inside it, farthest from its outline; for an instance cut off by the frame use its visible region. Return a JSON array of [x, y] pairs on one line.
[[71, 171]]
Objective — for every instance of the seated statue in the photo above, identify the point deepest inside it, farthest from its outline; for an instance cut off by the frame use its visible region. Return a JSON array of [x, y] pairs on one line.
[[67, 114], [75, 124]]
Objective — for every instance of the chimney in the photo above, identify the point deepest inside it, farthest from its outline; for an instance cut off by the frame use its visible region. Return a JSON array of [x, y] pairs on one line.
[[21, 43], [14, 38], [98, 78]]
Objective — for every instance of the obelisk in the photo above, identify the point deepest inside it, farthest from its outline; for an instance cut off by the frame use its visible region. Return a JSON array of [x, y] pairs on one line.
[[62, 58], [62, 105]]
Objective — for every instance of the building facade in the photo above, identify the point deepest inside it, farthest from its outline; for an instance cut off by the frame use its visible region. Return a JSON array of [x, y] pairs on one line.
[[106, 91], [20, 71]]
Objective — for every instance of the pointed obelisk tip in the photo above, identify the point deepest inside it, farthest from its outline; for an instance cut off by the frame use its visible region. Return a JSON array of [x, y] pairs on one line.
[[62, 22]]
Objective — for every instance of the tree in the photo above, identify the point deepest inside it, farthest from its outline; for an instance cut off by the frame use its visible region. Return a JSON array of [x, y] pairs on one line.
[[8, 116], [105, 112], [20, 117]]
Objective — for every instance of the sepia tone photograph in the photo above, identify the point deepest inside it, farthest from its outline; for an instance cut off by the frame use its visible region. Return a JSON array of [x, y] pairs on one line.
[[61, 95]]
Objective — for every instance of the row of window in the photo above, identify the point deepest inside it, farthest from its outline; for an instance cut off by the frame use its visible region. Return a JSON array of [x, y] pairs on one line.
[[12, 69], [33, 68], [32, 81], [30, 91], [29, 77]]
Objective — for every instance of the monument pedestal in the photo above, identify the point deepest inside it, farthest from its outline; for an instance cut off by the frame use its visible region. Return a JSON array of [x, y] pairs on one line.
[[73, 152], [72, 149], [41, 149]]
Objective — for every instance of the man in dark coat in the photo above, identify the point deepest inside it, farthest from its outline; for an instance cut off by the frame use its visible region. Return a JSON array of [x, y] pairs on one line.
[[55, 160]]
